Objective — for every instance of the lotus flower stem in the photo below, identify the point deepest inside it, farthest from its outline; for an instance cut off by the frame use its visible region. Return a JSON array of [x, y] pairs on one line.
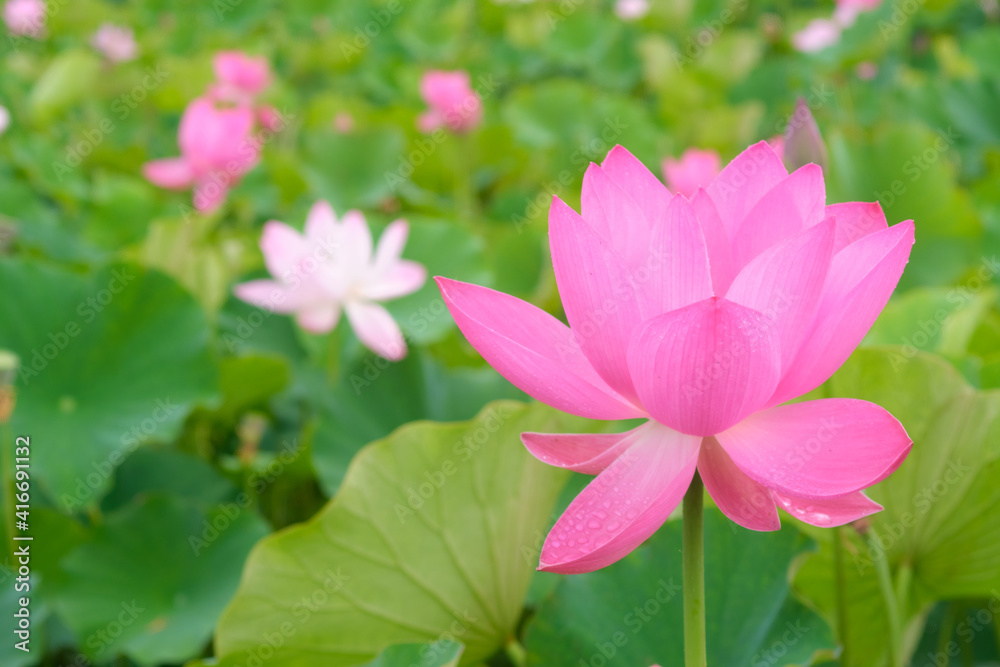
[[841, 595], [694, 576], [891, 604]]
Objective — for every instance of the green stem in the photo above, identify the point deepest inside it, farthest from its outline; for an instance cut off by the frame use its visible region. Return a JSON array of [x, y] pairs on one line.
[[890, 600], [904, 578], [841, 596], [694, 576], [516, 652], [465, 200]]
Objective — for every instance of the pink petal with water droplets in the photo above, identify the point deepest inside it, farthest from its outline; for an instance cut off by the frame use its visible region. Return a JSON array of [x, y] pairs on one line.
[[817, 449], [589, 453], [533, 350], [738, 497], [702, 368], [623, 505], [828, 512]]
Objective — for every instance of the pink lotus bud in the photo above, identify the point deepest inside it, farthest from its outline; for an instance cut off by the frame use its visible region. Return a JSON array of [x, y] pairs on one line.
[[25, 17], [217, 149], [236, 72], [270, 118], [803, 142], [452, 101], [116, 43], [866, 70], [631, 10], [816, 36], [343, 122]]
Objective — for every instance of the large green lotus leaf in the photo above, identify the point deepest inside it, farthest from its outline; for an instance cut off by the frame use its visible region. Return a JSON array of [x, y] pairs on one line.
[[374, 397], [108, 360], [939, 517], [167, 471], [868, 625], [941, 320], [154, 578], [365, 179], [910, 170], [942, 498], [423, 541], [69, 78], [631, 612], [443, 653]]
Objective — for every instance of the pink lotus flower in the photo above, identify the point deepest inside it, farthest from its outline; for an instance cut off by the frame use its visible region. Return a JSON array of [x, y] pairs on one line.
[[116, 43], [25, 17], [217, 149], [694, 170], [4, 119], [816, 36], [343, 123], [239, 77], [452, 100], [704, 317], [631, 10], [331, 267], [847, 11]]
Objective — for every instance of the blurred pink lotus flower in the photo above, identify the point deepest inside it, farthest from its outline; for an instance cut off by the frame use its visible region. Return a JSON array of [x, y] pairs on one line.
[[821, 33], [777, 144], [816, 36], [453, 102], [217, 149], [270, 118], [847, 11], [695, 169], [116, 43], [239, 77], [4, 119], [343, 123], [702, 316], [332, 267], [25, 17], [866, 70], [631, 10]]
